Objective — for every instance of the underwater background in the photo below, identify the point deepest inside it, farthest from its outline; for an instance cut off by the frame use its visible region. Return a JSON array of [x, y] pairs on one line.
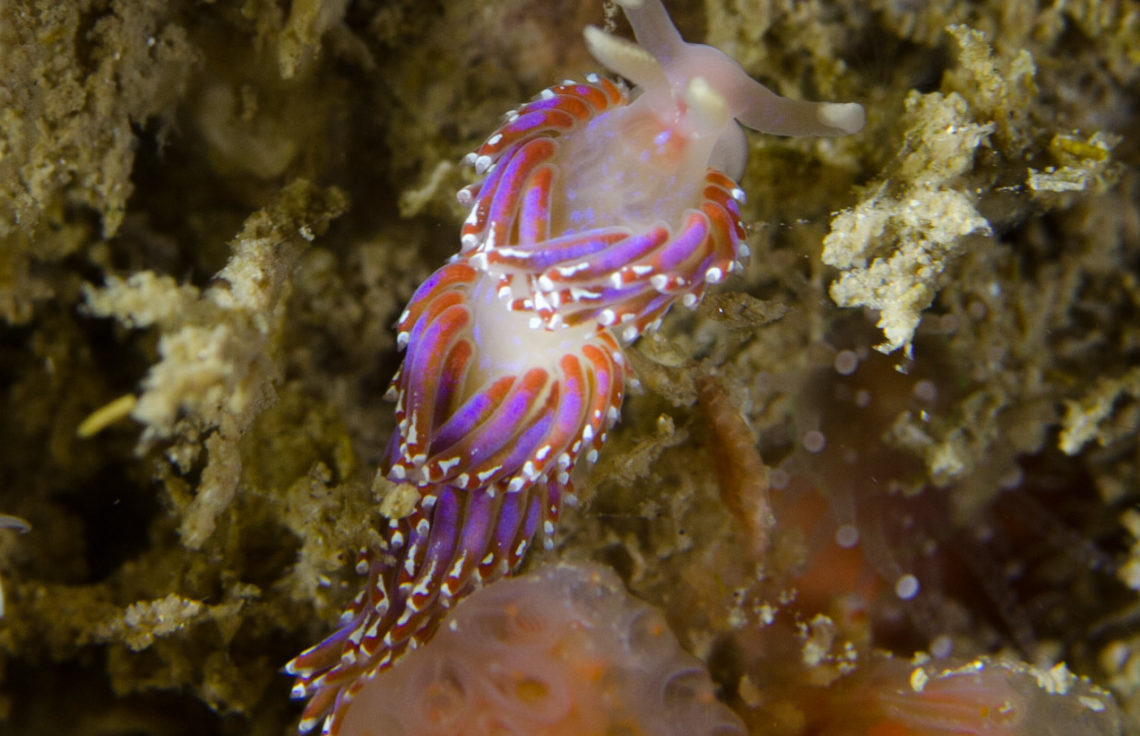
[[212, 213]]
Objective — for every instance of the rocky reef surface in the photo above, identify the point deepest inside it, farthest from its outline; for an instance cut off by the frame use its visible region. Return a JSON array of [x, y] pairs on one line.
[[212, 213]]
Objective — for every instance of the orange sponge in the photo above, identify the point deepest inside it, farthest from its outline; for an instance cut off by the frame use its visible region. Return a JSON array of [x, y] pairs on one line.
[[562, 651], [983, 697]]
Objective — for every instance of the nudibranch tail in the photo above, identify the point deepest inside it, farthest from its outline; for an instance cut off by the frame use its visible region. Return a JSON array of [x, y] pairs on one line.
[[596, 212], [454, 542]]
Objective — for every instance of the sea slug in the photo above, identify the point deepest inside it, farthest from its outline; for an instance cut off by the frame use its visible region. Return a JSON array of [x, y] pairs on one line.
[[597, 211]]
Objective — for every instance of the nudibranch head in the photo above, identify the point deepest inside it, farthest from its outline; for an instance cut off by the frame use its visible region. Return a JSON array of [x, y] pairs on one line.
[[584, 223], [598, 209], [699, 91]]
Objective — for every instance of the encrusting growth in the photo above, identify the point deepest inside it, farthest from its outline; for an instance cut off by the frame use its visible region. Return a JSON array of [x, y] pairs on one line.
[[563, 651]]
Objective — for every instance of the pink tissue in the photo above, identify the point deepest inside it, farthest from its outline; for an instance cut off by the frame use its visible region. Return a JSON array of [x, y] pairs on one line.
[[562, 651]]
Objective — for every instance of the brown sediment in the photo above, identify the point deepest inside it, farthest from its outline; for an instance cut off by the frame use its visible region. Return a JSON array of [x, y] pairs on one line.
[[740, 471]]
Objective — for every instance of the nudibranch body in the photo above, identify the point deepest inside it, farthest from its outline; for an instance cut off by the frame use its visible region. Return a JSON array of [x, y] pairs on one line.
[[597, 211]]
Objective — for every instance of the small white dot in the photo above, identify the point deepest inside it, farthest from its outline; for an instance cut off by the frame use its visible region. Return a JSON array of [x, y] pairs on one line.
[[942, 646], [778, 478], [906, 587], [1012, 479], [847, 536], [846, 361], [814, 441], [862, 398], [925, 390]]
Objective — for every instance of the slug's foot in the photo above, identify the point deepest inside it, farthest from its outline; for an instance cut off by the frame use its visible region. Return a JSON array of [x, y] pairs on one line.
[[453, 542]]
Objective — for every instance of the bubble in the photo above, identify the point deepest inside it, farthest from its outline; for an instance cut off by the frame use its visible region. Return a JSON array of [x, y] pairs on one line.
[[1011, 479], [906, 587], [925, 390], [649, 637], [942, 646], [846, 361], [814, 441], [847, 536]]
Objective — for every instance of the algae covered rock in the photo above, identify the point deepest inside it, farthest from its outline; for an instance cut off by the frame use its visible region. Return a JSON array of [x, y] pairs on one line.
[[211, 214]]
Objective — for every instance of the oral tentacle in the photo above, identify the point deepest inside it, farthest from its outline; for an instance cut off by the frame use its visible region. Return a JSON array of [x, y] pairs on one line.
[[629, 60], [653, 29]]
